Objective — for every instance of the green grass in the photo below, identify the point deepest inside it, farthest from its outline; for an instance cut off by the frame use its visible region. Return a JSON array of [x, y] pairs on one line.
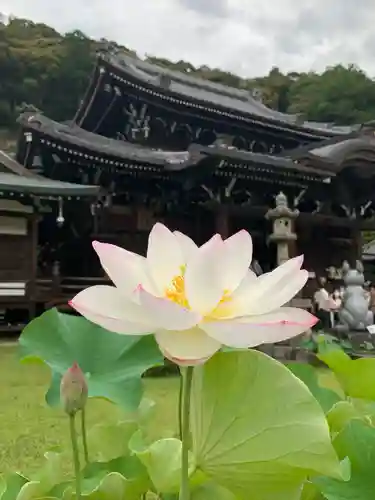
[[28, 428]]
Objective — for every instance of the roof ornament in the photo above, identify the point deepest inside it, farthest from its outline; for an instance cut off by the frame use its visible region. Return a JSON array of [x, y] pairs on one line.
[[25, 109], [257, 94], [28, 108], [165, 81], [224, 141], [300, 119], [107, 48]]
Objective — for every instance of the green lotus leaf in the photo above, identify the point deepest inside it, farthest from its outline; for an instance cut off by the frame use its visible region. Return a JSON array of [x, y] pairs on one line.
[[162, 460], [355, 376], [110, 441], [145, 411], [31, 491], [129, 467], [212, 491], [257, 428], [11, 485], [50, 475], [310, 492], [357, 443], [334, 357], [113, 363], [52, 472], [113, 486], [341, 414], [325, 397]]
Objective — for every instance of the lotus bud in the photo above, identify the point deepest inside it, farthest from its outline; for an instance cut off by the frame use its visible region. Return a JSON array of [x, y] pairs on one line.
[[73, 390]]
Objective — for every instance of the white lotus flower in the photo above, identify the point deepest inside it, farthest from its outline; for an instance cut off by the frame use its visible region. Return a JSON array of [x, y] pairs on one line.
[[194, 299]]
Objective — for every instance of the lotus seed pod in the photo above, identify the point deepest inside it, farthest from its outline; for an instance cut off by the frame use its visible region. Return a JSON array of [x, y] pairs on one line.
[[73, 390]]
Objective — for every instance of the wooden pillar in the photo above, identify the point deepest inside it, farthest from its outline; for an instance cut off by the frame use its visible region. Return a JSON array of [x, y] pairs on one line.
[[222, 222], [95, 217], [33, 228], [357, 243]]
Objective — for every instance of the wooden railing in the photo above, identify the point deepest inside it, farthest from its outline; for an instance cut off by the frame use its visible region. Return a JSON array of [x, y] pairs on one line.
[[57, 292], [13, 290], [64, 289], [16, 305]]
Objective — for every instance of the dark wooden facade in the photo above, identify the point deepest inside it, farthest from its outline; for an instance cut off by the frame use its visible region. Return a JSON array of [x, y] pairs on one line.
[[200, 191], [136, 101]]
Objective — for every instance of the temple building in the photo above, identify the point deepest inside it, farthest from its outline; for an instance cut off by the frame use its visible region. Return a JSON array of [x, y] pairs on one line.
[[149, 144]]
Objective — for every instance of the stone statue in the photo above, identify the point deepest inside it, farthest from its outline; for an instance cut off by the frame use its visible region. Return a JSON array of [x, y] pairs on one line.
[[354, 314]]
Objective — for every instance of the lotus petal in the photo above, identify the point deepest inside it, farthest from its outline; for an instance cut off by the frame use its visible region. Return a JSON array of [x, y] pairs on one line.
[[188, 246], [237, 257], [203, 285], [163, 313], [126, 269], [189, 347], [105, 306], [165, 258], [271, 290], [250, 331]]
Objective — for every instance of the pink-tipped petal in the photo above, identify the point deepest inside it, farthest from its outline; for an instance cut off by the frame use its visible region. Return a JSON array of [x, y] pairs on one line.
[[187, 245], [104, 306], [164, 256], [237, 257], [165, 314], [271, 290], [203, 284], [215, 239], [250, 331], [125, 269], [188, 348]]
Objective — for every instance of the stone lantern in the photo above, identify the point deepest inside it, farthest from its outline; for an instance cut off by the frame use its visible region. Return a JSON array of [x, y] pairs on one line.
[[282, 217]]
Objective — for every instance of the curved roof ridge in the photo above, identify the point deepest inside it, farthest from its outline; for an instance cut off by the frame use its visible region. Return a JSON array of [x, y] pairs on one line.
[[239, 100]]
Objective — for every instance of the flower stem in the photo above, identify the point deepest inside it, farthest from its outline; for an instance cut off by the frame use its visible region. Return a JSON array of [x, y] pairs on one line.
[[77, 467], [186, 392], [84, 436], [180, 403]]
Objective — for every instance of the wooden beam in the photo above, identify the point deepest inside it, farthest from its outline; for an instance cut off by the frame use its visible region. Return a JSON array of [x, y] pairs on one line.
[[222, 221], [308, 219]]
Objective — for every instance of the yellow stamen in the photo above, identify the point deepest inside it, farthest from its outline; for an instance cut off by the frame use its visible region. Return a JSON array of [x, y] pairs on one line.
[[176, 293]]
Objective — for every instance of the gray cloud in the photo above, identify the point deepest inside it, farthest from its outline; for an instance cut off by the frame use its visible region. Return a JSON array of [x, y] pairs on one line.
[[212, 8], [247, 37], [332, 25]]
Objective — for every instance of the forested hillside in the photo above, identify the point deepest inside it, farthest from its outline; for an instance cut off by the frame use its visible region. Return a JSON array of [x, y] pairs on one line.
[[50, 71]]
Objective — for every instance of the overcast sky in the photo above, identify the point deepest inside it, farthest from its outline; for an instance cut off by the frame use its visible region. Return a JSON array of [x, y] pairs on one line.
[[246, 37]]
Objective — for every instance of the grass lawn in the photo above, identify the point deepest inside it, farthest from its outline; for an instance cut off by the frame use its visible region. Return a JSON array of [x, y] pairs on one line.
[[28, 427]]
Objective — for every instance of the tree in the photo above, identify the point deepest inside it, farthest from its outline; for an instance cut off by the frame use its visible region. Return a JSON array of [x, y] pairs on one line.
[[340, 95]]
